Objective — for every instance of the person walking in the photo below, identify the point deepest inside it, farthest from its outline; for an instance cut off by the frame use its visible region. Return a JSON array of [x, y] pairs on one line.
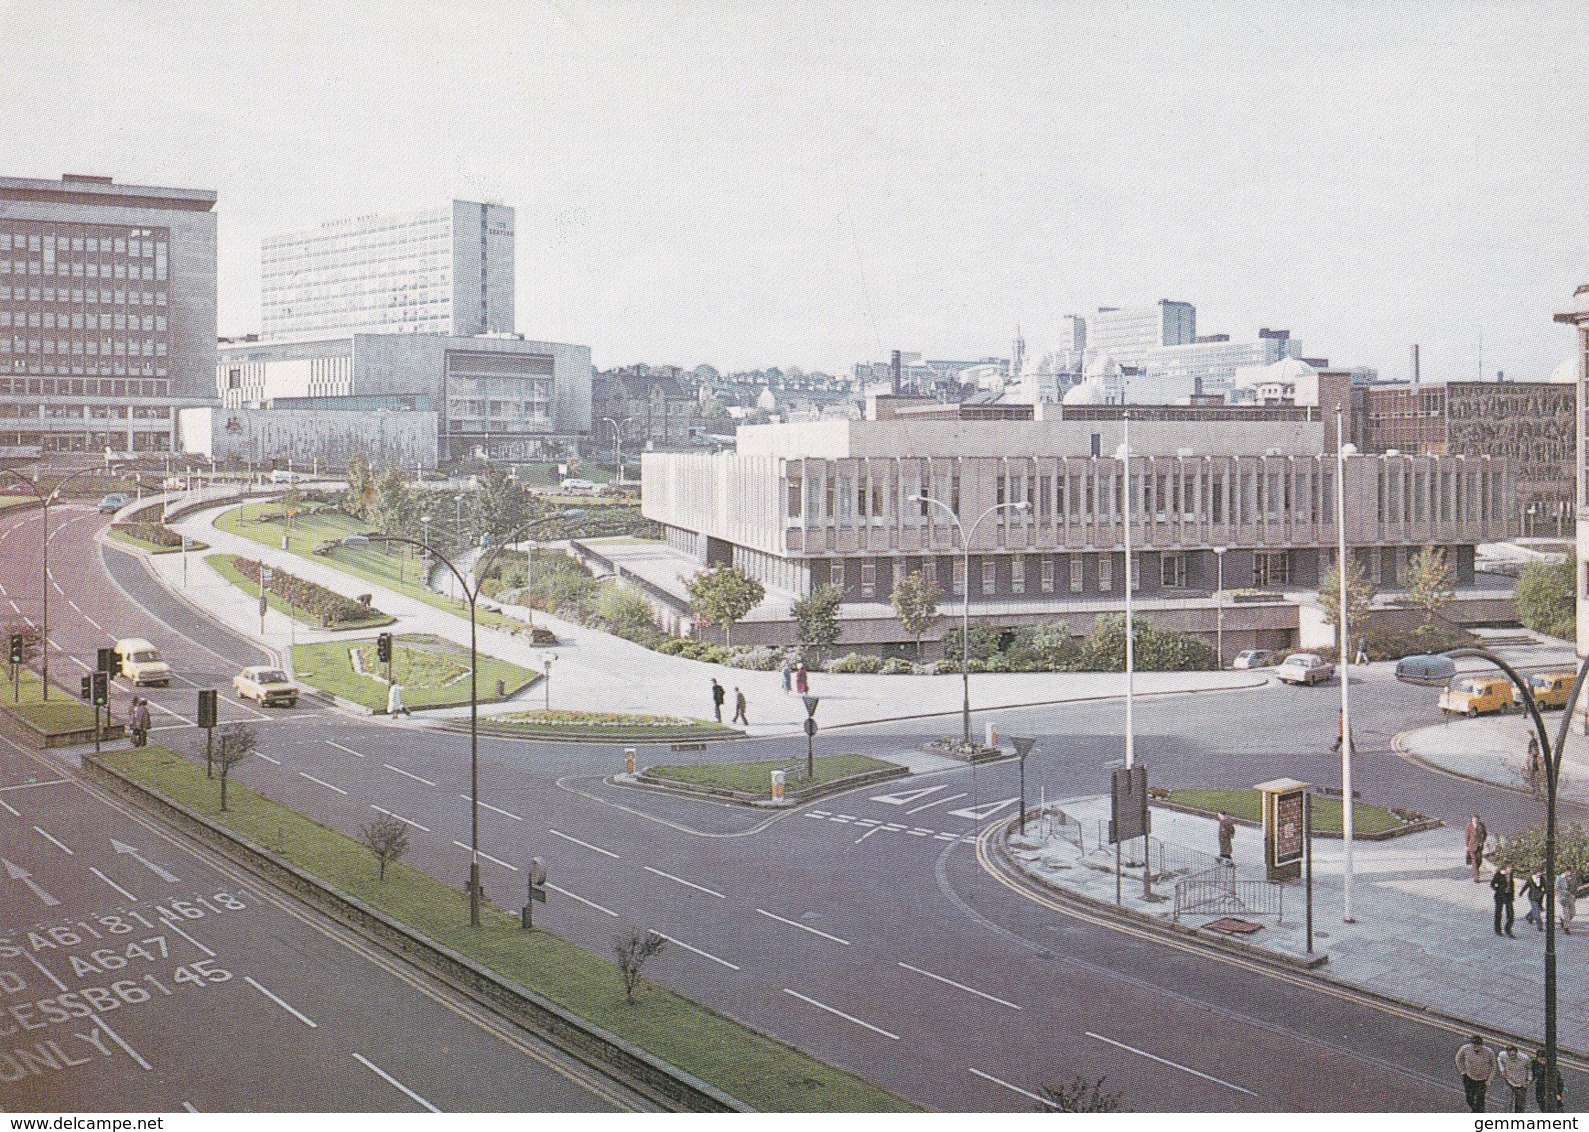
[[1548, 1088], [1531, 767], [787, 673], [1340, 734], [140, 721], [1567, 899], [1473, 838], [1517, 1070], [718, 696], [800, 678], [739, 708], [1227, 838], [1534, 890], [1476, 1063], [1505, 889], [1362, 651]]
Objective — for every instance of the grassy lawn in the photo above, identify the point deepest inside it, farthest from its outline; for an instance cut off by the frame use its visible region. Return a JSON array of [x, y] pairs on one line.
[[154, 547], [618, 726], [1248, 804], [744, 1063], [756, 778], [422, 665], [61, 713], [222, 564]]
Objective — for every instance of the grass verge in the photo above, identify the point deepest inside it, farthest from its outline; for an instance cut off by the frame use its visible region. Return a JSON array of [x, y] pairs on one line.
[[223, 565], [61, 713], [154, 547], [428, 661], [756, 778], [1248, 804], [617, 726], [759, 1070]]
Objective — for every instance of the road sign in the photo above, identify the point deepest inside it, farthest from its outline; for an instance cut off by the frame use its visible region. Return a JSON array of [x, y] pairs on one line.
[[266, 575], [537, 893], [1129, 804], [811, 727], [1022, 746]]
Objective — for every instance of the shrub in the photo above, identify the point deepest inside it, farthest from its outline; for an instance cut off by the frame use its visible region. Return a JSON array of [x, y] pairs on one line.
[[1045, 648], [156, 533], [761, 658], [1156, 650], [622, 612], [1545, 598], [855, 662], [672, 646], [897, 666], [331, 607], [984, 643]]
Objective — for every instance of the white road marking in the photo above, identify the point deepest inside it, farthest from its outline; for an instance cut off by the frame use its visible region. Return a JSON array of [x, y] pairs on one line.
[[819, 813], [867, 821], [399, 817], [347, 750], [96, 624], [943, 836], [984, 811], [867, 834], [905, 796], [493, 809], [317, 782], [582, 900], [1014, 1088], [939, 802], [1171, 1064], [698, 951], [13, 812], [188, 1105], [394, 1082], [115, 1037], [919, 832], [249, 979], [586, 844], [122, 848], [267, 758], [176, 927], [57, 585], [53, 841], [74, 605], [36, 785], [841, 1014], [405, 774], [803, 927], [48, 974], [112, 883], [686, 884], [489, 857], [960, 986]]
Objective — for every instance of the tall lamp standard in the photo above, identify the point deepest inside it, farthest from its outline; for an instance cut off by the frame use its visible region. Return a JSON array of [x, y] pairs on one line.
[[1342, 451], [1123, 454], [472, 593], [617, 450], [1219, 607], [965, 604]]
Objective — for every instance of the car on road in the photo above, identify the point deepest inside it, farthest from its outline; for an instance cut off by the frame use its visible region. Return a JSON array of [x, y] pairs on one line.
[[142, 663], [1550, 689], [283, 475], [1305, 668], [585, 487], [1430, 669], [1253, 658], [1477, 695], [114, 502], [266, 686]]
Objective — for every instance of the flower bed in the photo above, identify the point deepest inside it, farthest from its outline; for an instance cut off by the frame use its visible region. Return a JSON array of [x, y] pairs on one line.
[[330, 607]]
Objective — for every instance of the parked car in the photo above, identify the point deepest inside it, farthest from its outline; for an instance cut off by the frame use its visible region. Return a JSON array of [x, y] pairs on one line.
[[282, 475], [1424, 668], [142, 663], [1253, 658], [114, 502], [1550, 689], [1477, 695], [266, 686], [1305, 668], [585, 487]]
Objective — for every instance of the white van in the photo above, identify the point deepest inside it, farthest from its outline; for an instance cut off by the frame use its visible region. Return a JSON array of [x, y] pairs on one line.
[[141, 662]]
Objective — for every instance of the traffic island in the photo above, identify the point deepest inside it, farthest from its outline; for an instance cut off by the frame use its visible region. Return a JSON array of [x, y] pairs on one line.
[[61, 721], [432, 672], [953, 748], [754, 783], [1369, 822], [599, 727]]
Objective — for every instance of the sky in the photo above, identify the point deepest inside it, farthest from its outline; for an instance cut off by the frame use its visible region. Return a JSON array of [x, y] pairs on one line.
[[814, 184]]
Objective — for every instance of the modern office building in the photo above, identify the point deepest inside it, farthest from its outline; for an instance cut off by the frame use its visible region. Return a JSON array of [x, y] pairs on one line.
[[1126, 334], [1209, 364], [107, 313], [447, 271]]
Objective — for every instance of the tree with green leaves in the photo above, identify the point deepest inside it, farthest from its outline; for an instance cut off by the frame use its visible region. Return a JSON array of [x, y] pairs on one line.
[[724, 596], [817, 618], [361, 487], [1360, 594], [391, 499], [915, 601], [1429, 585], [499, 506], [1545, 601]]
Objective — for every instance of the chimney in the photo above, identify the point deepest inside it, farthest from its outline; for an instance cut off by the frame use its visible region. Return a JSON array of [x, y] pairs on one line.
[[896, 373], [1415, 363]]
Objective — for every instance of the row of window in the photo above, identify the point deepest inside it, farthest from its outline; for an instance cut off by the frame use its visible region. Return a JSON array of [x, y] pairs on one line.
[[78, 296], [84, 441], [74, 240], [152, 272], [80, 347], [82, 387], [84, 412], [77, 320]]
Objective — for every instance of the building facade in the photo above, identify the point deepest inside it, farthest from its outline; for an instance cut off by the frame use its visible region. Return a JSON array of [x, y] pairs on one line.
[[1126, 334], [653, 410], [446, 271], [325, 434], [107, 313], [1578, 318], [1209, 365]]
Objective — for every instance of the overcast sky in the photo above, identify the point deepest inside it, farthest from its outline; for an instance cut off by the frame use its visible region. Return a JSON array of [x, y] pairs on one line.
[[813, 184]]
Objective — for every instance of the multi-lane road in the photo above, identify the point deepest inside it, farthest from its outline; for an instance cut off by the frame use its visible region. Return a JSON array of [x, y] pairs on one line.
[[860, 928]]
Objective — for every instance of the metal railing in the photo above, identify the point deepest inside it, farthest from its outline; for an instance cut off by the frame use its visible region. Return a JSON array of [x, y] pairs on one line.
[[1221, 892]]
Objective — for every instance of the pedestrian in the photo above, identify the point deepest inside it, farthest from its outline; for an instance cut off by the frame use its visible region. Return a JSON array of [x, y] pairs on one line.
[[1476, 1063], [1548, 1087], [739, 708], [1505, 889], [1567, 899], [1534, 890], [718, 696], [787, 673], [1473, 839], [800, 677], [1227, 837], [140, 721], [1340, 732], [1362, 651], [394, 700], [1517, 1070], [1531, 763]]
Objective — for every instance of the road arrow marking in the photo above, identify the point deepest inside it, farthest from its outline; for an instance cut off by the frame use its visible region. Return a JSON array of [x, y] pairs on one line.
[[906, 795], [123, 847], [16, 872], [986, 810]]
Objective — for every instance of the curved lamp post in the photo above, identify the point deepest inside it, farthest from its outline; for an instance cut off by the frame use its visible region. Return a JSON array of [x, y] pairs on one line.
[[472, 593], [1344, 655], [1552, 754], [617, 449], [965, 603]]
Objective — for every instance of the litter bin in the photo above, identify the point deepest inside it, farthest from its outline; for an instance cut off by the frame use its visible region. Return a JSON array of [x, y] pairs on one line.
[[502, 689]]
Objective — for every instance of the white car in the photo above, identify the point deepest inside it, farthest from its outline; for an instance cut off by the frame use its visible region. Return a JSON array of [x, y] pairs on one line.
[[282, 475], [1253, 658], [266, 686], [1305, 668]]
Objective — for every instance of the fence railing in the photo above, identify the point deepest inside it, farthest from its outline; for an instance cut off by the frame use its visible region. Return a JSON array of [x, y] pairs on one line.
[[1220, 891]]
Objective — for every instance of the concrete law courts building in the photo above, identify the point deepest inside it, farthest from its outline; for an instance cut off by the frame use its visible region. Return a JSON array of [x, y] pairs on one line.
[[799, 505]]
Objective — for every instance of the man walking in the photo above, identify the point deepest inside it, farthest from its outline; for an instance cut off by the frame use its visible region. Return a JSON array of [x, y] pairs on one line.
[[1505, 889], [787, 672], [1476, 1063], [718, 696], [1567, 899], [739, 708], [1517, 1070], [1227, 837], [1534, 891], [1473, 839]]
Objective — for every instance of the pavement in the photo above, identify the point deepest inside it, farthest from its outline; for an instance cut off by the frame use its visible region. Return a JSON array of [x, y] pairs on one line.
[[596, 671]]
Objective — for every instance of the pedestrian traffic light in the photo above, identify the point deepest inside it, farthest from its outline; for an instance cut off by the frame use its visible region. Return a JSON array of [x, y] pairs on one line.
[[108, 661], [16, 648], [101, 689], [209, 708], [86, 692], [383, 648]]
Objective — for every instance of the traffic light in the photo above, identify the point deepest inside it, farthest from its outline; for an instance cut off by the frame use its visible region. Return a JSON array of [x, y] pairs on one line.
[[108, 660], [86, 692], [16, 648], [209, 708], [383, 648], [101, 689]]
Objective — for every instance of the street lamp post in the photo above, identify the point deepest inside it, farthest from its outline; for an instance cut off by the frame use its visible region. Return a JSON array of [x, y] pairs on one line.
[[1342, 451], [617, 449], [472, 593], [1219, 607], [965, 603], [1124, 456]]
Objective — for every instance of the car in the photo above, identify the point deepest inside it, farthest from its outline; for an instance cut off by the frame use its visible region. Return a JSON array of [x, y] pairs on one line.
[[266, 686], [1550, 689], [282, 475], [114, 502], [1429, 669], [142, 663], [1253, 658], [1305, 668], [1477, 695]]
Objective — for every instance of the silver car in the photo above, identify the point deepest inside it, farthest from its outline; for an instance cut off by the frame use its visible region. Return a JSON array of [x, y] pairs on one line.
[[1253, 658], [1305, 668]]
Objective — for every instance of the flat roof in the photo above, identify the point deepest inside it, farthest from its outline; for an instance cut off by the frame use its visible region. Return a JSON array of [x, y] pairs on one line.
[[102, 191]]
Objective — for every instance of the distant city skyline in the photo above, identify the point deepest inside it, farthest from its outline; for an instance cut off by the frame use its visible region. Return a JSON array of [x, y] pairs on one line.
[[816, 184]]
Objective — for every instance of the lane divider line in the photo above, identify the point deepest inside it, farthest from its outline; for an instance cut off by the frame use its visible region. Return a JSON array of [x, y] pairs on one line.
[[115, 1037], [698, 951], [686, 884], [586, 844], [54, 841], [305, 1019], [394, 1082], [961, 986], [489, 857], [582, 900], [347, 750], [493, 809], [841, 1014], [802, 927], [112, 883], [1013, 1088], [327, 785], [405, 774], [399, 817], [1171, 1064]]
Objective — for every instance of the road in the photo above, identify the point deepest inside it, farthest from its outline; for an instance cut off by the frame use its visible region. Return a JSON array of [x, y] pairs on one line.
[[860, 927]]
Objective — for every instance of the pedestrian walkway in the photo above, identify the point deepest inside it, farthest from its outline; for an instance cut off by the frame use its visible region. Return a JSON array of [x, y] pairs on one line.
[[1494, 749], [596, 671], [1422, 936]]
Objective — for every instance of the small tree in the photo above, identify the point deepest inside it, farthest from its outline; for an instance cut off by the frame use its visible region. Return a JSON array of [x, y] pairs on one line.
[[1545, 598], [391, 499], [361, 487], [915, 600], [817, 618], [387, 838], [1429, 583], [1360, 593], [500, 507], [723, 596], [233, 743], [633, 948], [1081, 1095]]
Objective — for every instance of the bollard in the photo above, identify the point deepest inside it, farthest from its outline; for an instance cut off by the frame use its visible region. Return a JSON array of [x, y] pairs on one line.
[[628, 760], [502, 688], [777, 787]]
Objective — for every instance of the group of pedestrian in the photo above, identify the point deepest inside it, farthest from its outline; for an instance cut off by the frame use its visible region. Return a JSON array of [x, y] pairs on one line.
[[1505, 887], [138, 721], [1479, 1065], [794, 675], [720, 697]]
